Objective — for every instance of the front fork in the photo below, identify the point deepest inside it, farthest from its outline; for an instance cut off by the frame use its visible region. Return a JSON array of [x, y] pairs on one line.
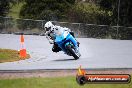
[[67, 44]]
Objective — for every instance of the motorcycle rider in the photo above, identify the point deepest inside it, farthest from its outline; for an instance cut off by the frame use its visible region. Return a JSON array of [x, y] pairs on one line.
[[50, 33]]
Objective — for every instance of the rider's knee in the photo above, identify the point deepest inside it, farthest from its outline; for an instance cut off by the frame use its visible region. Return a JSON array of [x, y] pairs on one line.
[[56, 48]]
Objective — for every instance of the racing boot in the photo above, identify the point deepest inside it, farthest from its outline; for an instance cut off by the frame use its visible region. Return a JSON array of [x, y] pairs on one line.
[[78, 43]]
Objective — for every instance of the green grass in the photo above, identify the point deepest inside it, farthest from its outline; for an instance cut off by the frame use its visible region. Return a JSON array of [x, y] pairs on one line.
[[7, 55], [15, 10], [58, 82]]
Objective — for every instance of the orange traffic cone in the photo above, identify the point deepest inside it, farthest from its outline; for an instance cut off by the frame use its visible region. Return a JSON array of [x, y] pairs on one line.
[[22, 39], [23, 53]]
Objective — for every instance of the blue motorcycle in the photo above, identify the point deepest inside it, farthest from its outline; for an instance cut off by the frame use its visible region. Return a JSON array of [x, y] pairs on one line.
[[68, 44]]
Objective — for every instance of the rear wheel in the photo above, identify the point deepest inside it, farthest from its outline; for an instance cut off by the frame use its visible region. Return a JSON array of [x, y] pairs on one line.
[[72, 51]]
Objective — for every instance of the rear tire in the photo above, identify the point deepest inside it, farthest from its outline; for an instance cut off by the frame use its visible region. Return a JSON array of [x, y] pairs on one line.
[[72, 51]]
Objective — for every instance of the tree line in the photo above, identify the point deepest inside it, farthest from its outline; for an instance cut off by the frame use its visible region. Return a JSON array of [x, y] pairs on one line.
[[99, 12]]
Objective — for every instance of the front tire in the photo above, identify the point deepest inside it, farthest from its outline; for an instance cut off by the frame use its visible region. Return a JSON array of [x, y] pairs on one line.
[[72, 51]]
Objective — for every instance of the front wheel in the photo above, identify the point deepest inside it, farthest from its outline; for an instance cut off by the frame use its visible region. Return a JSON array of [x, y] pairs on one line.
[[72, 52]]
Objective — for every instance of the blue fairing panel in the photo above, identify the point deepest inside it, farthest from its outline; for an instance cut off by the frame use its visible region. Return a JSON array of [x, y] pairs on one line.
[[62, 42]]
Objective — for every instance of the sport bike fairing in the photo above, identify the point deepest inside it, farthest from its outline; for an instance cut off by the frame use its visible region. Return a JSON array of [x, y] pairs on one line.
[[65, 38]]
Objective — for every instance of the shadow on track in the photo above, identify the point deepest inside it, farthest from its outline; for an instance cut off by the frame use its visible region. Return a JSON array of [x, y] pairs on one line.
[[65, 60]]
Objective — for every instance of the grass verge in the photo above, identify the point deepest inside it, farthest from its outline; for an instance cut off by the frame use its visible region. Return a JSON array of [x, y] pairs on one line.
[[8, 55], [58, 82]]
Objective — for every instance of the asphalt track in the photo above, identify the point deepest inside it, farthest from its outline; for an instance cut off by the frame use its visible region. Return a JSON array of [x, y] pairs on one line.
[[96, 54]]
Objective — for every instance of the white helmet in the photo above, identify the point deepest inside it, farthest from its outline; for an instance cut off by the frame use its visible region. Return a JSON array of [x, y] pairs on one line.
[[48, 26]]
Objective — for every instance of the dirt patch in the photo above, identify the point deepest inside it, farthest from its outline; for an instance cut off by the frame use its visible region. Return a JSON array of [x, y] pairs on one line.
[[56, 73]]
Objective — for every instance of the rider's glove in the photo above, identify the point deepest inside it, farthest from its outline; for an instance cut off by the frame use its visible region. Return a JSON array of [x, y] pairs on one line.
[[51, 41]]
